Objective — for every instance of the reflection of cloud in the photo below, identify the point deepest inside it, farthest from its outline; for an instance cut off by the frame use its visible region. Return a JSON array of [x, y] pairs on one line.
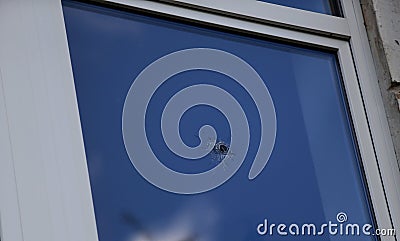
[[195, 222], [169, 234], [140, 238]]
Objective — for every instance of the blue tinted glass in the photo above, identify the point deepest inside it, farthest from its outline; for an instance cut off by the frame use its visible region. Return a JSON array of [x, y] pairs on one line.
[[311, 176], [319, 6]]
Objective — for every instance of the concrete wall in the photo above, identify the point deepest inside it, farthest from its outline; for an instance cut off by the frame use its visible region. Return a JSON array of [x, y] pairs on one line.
[[382, 21]]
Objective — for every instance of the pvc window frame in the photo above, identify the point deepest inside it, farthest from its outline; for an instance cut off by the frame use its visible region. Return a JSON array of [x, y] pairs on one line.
[[44, 183]]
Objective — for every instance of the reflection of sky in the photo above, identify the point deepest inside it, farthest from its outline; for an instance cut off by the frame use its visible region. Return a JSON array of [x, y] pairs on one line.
[[319, 6], [312, 173]]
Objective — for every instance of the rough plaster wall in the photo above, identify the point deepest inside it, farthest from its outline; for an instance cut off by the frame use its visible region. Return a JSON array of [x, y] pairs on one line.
[[382, 21], [386, 15]]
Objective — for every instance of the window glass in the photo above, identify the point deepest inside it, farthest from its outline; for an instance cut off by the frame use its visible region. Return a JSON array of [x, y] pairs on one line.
[[320, 6], [296, 123]]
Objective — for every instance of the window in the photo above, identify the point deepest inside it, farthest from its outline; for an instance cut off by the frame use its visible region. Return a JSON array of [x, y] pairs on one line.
[[324, 6], [50, 197], [314, 158]]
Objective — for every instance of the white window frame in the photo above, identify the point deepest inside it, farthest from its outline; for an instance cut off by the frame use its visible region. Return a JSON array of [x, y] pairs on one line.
[[44, 184]]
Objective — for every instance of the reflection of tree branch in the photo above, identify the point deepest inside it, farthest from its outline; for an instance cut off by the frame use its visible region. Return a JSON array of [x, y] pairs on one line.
[[134, 222]]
